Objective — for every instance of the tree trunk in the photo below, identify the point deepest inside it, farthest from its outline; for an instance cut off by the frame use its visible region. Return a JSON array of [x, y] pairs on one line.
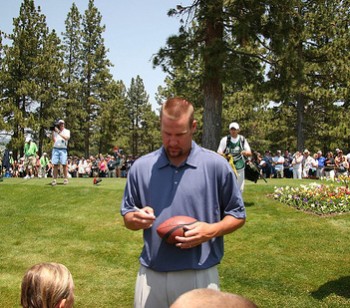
[[212, 114], [212, 77], [300, 122]]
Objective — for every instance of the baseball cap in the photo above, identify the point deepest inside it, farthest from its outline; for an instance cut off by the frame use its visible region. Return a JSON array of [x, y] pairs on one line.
[[234, 125], [60, 122]]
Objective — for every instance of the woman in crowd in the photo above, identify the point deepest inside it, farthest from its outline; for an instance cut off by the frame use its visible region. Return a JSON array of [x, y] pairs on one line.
[[341, 164], [297, 165], [102, 166], [81, 167]]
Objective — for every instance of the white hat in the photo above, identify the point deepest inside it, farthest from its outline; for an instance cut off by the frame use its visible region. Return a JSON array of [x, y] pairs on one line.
[[234, 125], [28, 139], [306, 151], [60, 122]]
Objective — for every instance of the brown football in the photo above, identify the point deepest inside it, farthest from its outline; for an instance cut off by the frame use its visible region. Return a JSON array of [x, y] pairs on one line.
[[174, 226]]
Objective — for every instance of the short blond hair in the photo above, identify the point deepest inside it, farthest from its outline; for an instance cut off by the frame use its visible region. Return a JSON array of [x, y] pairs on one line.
[[45, 285], [176, 107]]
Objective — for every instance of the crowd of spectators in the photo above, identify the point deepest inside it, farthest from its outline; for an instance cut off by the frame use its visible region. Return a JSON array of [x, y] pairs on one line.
[[103, 166], [297, 165], [303, 165]]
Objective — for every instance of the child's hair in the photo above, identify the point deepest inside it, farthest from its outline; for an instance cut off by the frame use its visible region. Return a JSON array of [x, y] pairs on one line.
[[46, 285]]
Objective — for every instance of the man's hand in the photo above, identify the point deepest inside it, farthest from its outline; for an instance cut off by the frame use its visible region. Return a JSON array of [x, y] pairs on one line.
[[201, 232], [140, 219], [196, 234], [57, 130]]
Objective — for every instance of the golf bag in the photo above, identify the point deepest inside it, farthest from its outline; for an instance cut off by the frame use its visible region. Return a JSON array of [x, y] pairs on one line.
[[252, 171]]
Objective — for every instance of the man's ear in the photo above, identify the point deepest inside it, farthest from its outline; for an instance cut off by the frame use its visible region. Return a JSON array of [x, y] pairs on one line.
[[62, 303], [194, 125]]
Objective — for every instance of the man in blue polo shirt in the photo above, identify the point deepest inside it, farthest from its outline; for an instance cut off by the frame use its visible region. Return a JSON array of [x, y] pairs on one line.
[[181, 178]]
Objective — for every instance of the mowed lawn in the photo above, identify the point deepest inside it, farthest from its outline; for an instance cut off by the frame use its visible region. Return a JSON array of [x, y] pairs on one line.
[[280, 258]]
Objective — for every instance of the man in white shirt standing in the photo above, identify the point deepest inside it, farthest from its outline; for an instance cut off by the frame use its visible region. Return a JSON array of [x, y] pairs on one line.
[[278, 162], [60, 137], [237, 146]]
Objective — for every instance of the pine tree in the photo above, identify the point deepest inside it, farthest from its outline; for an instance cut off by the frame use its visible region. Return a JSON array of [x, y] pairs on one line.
[[49, 83], [20, 66], [221, 53], [112, 119], [95, 71], [72, 75], [308, 43], [138, 106], [3, 114]]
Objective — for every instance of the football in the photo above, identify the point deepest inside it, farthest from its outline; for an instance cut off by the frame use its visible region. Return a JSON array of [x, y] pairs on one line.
[[174, 226]]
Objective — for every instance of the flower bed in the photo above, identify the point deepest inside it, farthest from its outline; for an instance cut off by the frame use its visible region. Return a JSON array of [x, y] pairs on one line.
[[316, 198]]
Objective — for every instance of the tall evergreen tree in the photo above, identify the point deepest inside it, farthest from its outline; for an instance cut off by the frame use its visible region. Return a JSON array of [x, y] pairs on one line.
[[221, 51], [96, 75], [2, 80], [72, 75], [20, 66], [207, 42], [137, 104], [306, 40], [112, 119], [49, 84]]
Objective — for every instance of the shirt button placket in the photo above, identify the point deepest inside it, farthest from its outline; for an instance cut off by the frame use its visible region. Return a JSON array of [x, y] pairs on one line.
[[176, 176]]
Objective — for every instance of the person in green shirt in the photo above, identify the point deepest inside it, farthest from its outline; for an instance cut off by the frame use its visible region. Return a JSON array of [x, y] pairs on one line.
[[30, 151], [237, 146]]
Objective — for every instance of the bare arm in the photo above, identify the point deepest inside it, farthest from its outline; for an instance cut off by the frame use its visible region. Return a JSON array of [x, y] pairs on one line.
[[201, 232]]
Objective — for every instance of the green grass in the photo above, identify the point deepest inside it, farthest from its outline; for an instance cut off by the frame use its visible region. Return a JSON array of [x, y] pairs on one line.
[[281, 257]]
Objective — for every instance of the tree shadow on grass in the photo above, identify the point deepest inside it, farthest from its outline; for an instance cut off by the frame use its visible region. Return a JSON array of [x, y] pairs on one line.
[[340, 287]]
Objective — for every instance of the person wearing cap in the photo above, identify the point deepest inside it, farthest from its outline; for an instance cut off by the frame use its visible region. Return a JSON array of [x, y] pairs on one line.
[[236, 145], [307, 164], [44, 162], [30, 151], [60, 137]]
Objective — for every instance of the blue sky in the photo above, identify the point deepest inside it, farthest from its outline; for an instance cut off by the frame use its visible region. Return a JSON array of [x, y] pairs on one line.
[[135, 30]]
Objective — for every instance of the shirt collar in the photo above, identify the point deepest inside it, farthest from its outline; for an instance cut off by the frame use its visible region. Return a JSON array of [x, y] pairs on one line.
[[163, 160]]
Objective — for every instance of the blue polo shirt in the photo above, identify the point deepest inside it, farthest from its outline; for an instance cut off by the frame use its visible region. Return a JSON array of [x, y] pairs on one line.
[[203, 187], [321, 161]]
